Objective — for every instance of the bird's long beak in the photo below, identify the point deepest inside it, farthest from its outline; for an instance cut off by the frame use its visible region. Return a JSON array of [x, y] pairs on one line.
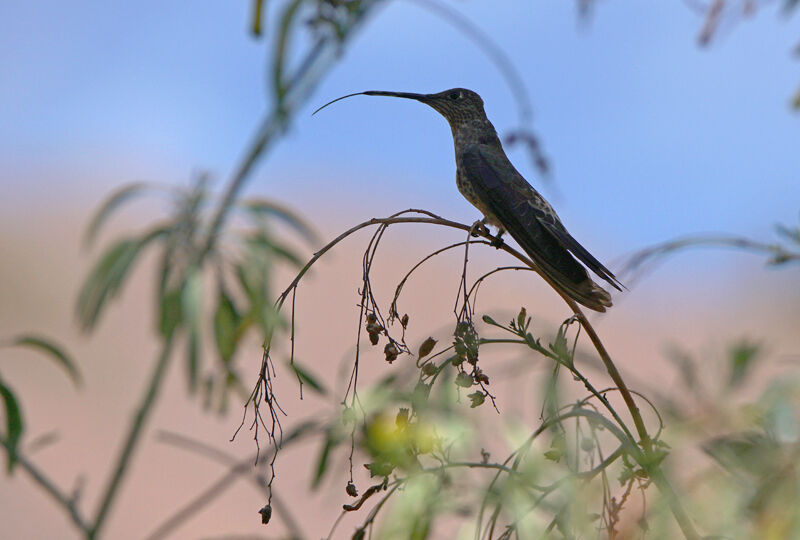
[[424, 98]]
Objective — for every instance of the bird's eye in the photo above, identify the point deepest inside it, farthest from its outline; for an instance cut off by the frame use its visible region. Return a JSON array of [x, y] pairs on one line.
[[454, 95]]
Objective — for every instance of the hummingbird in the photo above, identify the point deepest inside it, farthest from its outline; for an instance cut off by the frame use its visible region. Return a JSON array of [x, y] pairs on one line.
[[487, 179]]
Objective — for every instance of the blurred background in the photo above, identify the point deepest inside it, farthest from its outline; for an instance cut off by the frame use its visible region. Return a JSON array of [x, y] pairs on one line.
[[652, 128]]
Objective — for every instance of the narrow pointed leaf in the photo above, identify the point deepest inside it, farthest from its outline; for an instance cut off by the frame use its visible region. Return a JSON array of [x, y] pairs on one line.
[[260, 208], [309, 379], [322, 461], [112, 203], [257, 23], [226, 326], [742, 357], [192, 307], [109, 274], [267, 246], [14, 424], [104, 280], [52, 350], [170, 312]]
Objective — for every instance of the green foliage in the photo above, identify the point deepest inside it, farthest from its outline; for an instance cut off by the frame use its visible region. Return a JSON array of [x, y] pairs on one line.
[[111, 204], [332, 440], [14, 422], [419, 437], [193, 254], [307, 377], [109, 274], [227, 325], [14, 425], [742, 358], [51, 350]]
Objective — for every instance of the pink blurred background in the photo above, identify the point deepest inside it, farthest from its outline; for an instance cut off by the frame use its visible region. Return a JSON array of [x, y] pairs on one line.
[[650, 138]]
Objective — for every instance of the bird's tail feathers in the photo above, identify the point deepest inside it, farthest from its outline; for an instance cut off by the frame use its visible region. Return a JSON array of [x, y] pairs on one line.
[[585, 292]]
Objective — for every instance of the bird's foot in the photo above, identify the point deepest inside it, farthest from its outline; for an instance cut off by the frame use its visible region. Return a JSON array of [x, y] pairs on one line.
[[479, 228], [497, 241]]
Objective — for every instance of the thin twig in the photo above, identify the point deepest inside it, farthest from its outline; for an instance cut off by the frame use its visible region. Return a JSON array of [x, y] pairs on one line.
[[237, 469], [60, 498], [644, 439]]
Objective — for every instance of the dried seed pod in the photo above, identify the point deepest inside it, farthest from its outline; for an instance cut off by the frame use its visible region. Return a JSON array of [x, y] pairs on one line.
[[266, 514], [426, 347], [391, 352], [351, 489]]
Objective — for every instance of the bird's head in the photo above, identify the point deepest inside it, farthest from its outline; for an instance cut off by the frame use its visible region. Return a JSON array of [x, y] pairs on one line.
[[457, 105]]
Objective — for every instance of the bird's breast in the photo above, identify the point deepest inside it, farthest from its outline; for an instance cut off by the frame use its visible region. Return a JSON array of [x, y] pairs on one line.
[[467, 190]]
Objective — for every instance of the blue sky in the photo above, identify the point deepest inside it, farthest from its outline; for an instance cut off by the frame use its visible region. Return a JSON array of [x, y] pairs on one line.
[[649, 135]]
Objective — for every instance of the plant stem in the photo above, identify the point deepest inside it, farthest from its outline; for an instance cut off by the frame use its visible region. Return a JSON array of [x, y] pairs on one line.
[[322, 55], [123, 461], [647, 463], [61, 499]]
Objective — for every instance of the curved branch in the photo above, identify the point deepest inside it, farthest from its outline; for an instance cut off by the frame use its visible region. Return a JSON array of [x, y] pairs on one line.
[[637, 260], [648, 464], [401, 284], [41, 479]]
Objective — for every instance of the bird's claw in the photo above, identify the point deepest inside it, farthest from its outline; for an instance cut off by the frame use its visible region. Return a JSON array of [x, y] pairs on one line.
[[497, 241], [479, 228]]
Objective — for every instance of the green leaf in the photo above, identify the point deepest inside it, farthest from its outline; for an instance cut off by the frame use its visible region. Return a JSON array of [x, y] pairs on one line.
[[742, 357], [192, 306], [260, 208], [419, 396], [322, 461], [489, 320], [748, 452], [193, 359], [476, 399], [51, 349], [252, 274], [226, 326], [379, 468], [263, 242], [558, 448], [554, 455], [14, 424], [522, 317], [108, 275], [281, 48], [306, 377], [685, 364], [560, 347], [170, 312], [258, 18], [105, 280], [464, 380], [114, 201]]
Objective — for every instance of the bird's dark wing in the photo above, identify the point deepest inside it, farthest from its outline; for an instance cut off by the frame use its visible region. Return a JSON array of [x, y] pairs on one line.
[[534, 225], [555, 227]]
